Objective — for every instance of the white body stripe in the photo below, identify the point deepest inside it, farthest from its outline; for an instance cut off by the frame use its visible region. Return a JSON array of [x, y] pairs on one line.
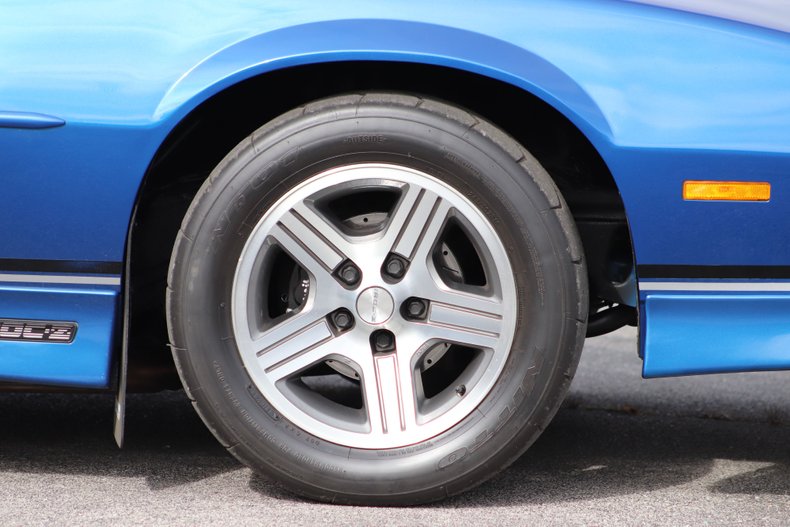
[[60, 279], [755, 285]]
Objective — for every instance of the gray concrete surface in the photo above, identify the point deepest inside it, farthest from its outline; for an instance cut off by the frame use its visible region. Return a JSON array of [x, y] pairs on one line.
[[623, 451]]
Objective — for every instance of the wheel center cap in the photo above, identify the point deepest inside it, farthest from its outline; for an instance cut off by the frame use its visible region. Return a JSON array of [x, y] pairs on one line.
[[375, 305]]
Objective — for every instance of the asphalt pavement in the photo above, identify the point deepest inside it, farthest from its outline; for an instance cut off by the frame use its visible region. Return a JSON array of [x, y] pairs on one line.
[[623, 451]]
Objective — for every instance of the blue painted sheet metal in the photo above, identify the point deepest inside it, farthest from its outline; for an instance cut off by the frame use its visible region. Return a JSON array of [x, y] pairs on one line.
[[697, 332], [72, 189], [85, 362], [664, 95]]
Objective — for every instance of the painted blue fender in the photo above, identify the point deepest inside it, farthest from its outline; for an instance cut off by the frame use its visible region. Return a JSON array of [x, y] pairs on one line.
[[383, 40]]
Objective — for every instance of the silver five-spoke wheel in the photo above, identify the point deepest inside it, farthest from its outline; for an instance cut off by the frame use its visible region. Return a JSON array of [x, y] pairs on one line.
[[376, 290]]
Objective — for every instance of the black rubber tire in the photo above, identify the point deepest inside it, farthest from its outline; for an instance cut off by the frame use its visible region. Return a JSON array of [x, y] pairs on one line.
[[501, 178]]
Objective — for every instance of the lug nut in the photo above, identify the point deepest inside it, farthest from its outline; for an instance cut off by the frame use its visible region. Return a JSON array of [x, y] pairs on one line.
[[415, 308], [384, 341], [395, 267], [342, 319], [349, 274]]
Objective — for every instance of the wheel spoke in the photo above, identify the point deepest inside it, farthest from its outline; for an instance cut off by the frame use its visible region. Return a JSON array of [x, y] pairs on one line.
[[328, 235], [292, 344], [402, 213], [304, 256], [431, 232], [314, 236], [454, 324], [416, 223], [389, 395], [463, 318]]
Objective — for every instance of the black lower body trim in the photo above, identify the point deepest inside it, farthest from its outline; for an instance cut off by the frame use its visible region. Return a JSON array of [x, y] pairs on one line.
[[60, 266]]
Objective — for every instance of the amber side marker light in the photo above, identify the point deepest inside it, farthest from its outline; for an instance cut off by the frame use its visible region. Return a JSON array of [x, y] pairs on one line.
[[726, 191]]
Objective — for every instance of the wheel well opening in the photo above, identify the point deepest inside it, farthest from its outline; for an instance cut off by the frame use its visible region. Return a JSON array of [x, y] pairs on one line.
[[208, 133]]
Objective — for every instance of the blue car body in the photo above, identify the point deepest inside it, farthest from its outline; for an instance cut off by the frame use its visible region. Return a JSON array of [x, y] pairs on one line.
[[90, 92]]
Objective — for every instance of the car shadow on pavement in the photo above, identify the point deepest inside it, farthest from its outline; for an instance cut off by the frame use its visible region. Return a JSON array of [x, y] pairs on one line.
[[583, 454], [591, 454], [166, 443], [766, 480]]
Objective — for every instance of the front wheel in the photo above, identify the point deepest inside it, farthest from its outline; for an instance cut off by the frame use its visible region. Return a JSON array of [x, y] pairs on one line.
[[377, 299]]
